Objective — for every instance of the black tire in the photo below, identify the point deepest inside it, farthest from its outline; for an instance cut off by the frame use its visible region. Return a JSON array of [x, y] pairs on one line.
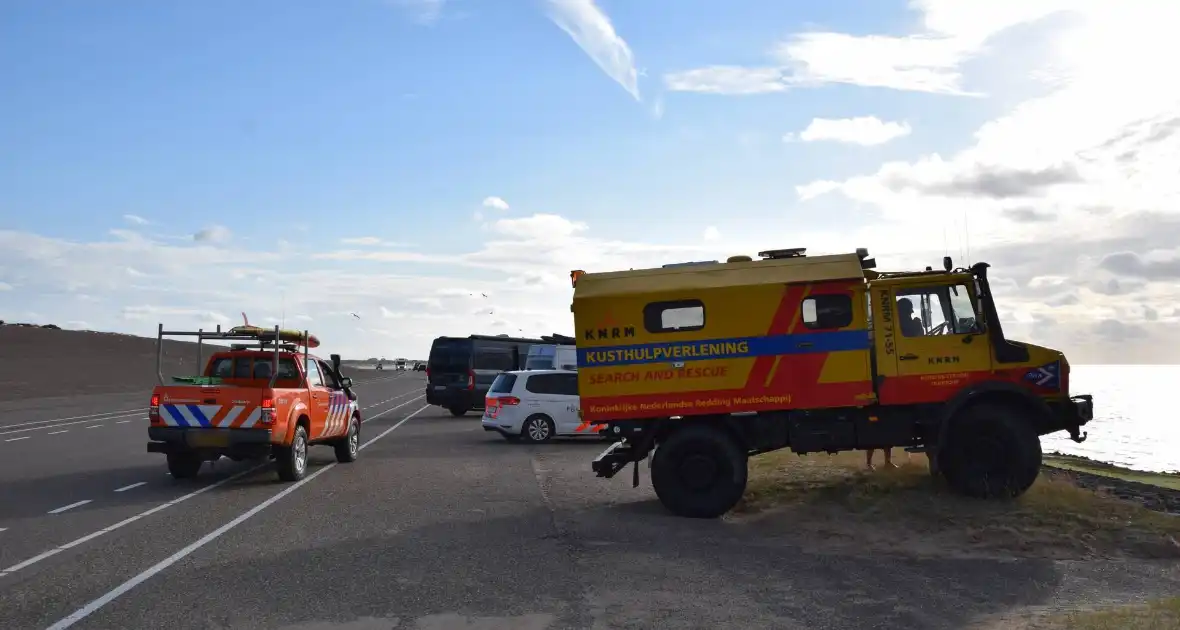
[[184, 465], [699, 472], [537, 428], [348, 447], [458, 411], [991, 452], [291, 461]]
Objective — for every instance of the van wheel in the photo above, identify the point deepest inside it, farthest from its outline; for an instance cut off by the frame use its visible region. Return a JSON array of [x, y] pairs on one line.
[[184, 465], [291, 461], [537, 428], [992, 452], [350, 445], [699, 472], [458, 411]]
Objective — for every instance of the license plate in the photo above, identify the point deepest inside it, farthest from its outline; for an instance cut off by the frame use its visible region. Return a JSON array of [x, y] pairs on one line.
[[207, 439]]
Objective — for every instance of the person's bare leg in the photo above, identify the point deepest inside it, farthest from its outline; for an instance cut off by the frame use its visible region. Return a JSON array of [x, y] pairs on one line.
[[889, 458], [869, 459]]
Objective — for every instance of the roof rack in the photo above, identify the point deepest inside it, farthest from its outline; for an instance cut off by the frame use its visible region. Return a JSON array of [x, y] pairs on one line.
[[251, 341]]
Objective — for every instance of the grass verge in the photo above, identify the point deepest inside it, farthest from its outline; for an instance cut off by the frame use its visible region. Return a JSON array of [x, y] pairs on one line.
[[1082, 464], [1161, 614], [904, 509]]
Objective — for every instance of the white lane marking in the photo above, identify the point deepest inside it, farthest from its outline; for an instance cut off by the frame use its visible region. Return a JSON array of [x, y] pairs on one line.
[[91, 536], [70, 506], [93, 415], [94, 427], [3, 529], [378, 404], [123, 422], [52, 433], [66, 424], [118, 591], [134, 485], [52, 552], [19, 438]]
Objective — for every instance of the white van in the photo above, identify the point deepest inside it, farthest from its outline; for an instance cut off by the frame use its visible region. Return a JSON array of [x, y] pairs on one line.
[[549, 356]]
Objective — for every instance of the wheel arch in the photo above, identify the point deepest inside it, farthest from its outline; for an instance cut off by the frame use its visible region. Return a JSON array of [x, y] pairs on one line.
[[992, 392]]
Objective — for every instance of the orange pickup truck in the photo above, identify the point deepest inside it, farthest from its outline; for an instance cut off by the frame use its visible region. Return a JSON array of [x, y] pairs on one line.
[[260, 398]]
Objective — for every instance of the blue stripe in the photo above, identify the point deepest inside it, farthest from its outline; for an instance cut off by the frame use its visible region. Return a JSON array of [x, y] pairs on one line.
[[732, 348], [199, 415], [176, 415]]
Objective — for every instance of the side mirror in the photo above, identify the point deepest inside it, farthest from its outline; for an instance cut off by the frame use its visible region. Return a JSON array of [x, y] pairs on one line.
[[346, 382], [336, 362]]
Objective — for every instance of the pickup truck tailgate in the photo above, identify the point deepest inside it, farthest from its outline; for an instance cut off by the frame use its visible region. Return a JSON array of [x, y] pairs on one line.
[[224, 407]]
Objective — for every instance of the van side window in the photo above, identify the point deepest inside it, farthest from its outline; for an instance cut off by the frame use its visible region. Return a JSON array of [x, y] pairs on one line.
[[827, 311], [494, 358], [567, 384], [674, 316], [542, 384]]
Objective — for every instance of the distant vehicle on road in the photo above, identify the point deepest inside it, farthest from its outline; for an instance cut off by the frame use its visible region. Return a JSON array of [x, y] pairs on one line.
[[535, 405], [261, 398], [460, 370], [399, 364], [552, 356]]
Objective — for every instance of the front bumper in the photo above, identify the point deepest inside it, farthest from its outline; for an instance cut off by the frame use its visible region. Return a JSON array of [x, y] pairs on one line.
[[231, 442]]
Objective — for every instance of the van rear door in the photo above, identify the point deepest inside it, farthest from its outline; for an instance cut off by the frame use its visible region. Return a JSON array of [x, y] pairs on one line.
[[450, 361]]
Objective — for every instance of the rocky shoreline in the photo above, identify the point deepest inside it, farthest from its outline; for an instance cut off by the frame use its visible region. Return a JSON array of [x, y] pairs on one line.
[[1151, 497]]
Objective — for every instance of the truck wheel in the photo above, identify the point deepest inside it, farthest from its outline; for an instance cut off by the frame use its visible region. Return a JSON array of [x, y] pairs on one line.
[[699, 472], [350, 445], [458, 411], [184, 465], [291, 461], [991, 452]]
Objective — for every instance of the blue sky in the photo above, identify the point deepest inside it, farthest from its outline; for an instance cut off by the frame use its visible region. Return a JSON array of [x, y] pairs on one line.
[[285, 130]]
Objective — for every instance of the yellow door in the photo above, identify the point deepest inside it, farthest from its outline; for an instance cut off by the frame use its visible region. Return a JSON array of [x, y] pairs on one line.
[[938, 346]]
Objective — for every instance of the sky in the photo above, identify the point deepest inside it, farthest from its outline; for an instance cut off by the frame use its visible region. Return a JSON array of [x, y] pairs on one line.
[[383, 172]]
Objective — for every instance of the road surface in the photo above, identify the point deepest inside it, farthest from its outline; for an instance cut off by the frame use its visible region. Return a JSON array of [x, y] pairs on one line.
[[438, 525]]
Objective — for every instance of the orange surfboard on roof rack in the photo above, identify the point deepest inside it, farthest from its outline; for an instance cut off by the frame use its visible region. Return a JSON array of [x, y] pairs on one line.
[[286, 335]]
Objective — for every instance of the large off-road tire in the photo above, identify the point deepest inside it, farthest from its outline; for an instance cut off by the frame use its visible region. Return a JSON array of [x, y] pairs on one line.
[[699, 471], [349, 446], [291, 460], [991, 452], [537, 428], [184, 465]]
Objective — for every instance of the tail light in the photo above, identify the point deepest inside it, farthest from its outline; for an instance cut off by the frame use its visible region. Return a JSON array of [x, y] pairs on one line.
[[154, 409], [470, 379], [508, 400], [268, 411]]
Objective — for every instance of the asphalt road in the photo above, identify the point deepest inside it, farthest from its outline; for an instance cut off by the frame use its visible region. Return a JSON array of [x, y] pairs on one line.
[[437, 525]]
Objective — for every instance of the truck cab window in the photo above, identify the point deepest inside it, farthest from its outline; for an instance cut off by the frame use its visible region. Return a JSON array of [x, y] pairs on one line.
[[937, 310], [827, 311], [313, 375]]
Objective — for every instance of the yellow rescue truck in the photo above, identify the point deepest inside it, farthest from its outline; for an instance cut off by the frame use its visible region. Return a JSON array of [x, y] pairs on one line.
[[709, 363]]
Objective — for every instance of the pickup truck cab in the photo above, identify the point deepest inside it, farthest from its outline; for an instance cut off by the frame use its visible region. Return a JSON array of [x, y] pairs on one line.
[[254, 401]]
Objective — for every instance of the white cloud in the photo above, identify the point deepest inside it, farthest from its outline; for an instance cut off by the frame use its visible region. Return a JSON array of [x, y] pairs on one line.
[[929, 60], [592, 31], [213, 234], [135, 219], [862, 130], [422, 11], [712, 233], [361, 240], [495, 202], [4, 286]]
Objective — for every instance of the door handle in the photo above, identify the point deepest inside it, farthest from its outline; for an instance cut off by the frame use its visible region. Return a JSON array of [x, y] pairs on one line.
[[908, 357]]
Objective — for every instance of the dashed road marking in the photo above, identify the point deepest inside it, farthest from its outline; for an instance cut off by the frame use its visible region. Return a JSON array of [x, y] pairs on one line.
[[94, 427], [93, 415], [70, 506], [118, 591], [123, 422], [15, 439], [134, 485], [56, 432], [66, 424]]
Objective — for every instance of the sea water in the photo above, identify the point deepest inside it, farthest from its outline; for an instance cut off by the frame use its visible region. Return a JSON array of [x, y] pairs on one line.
[[1135, 420]]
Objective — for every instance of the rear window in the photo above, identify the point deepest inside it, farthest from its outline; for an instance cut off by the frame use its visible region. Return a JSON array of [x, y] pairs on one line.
[[248, 366], [539, 363], [503, 384], [450, 354]]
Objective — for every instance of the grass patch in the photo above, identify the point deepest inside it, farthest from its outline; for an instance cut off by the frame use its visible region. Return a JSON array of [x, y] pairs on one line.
[[834, 497], [1081, 464], [1161, 614]]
